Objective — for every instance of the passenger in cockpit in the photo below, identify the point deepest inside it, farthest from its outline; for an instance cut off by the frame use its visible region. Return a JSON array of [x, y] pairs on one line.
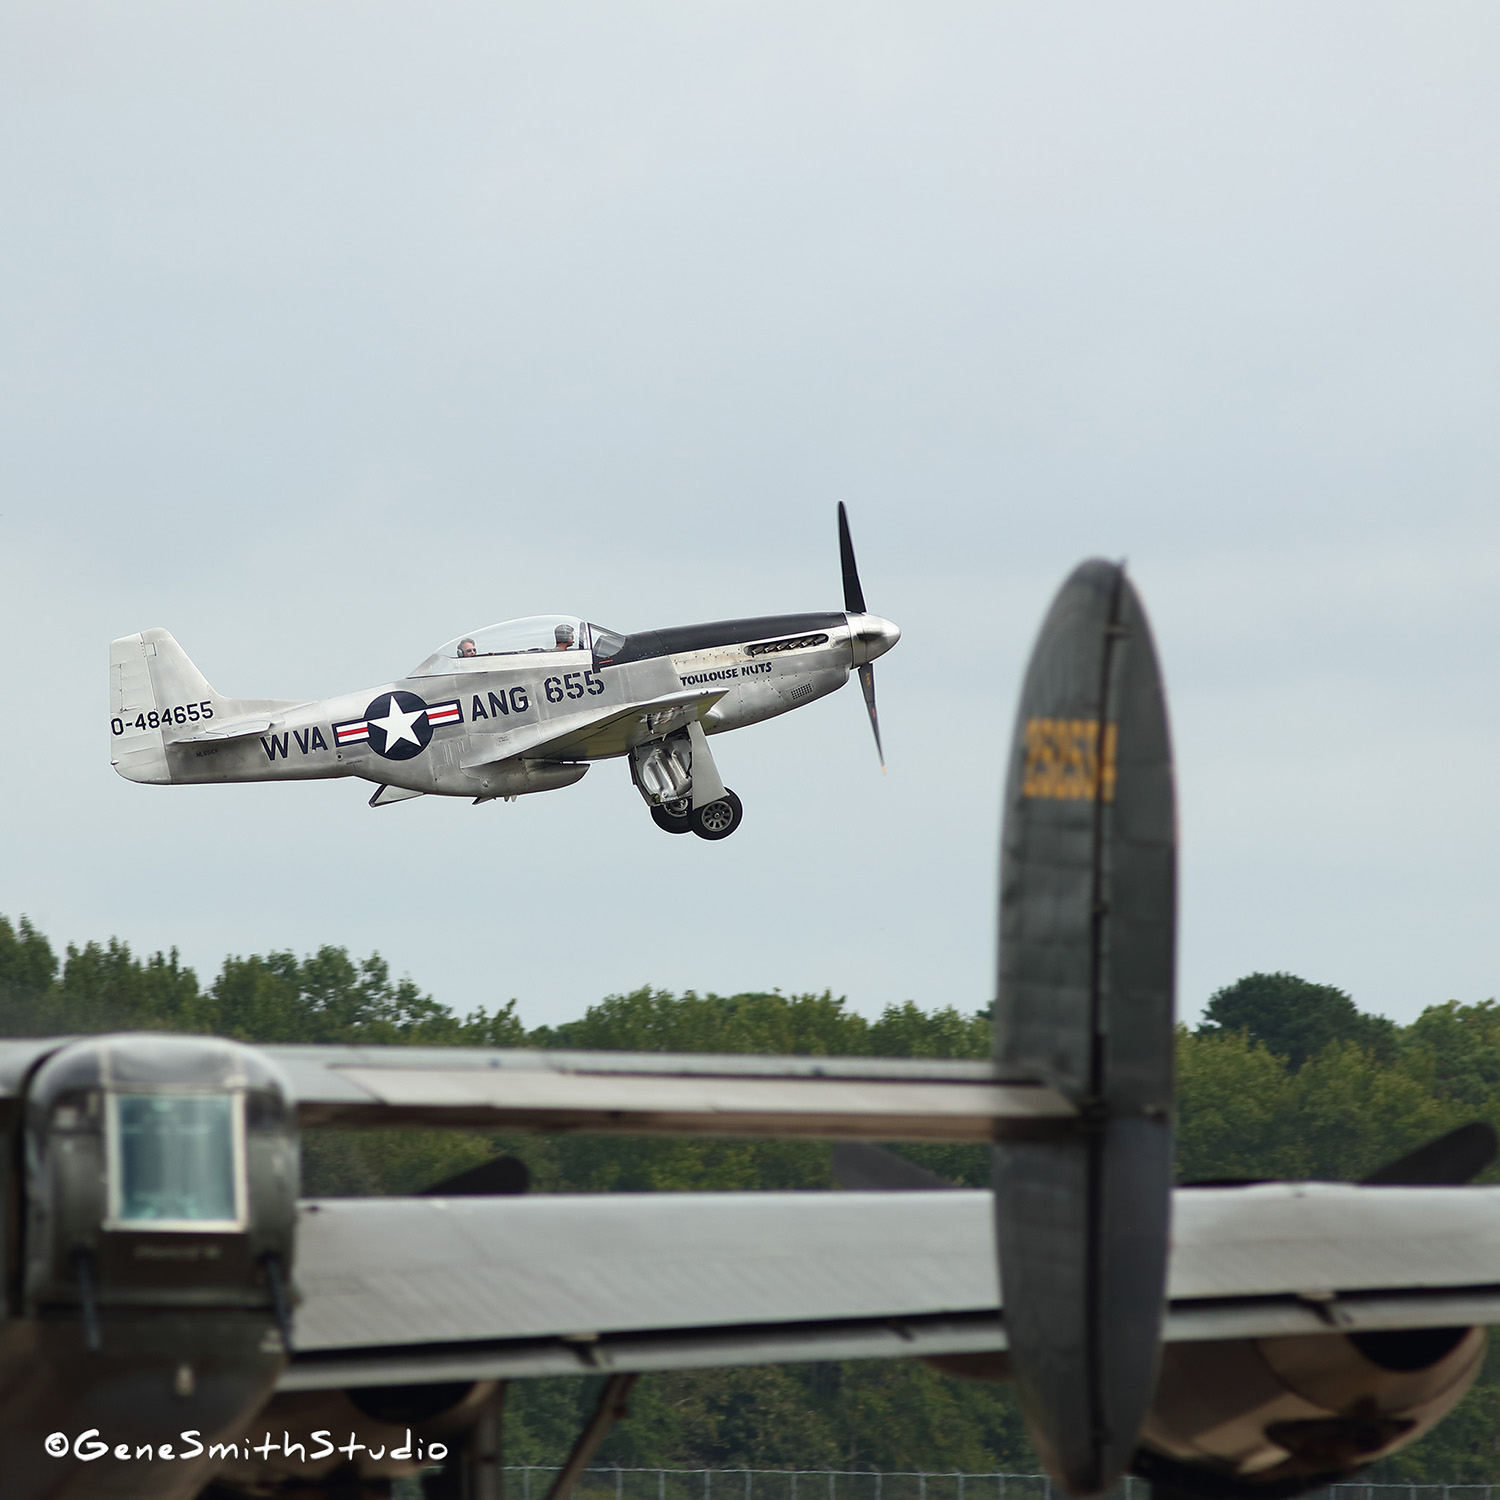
[[564, 637]]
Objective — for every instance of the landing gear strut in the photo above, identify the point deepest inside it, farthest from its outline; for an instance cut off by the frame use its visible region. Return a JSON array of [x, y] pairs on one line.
[[681, 787]]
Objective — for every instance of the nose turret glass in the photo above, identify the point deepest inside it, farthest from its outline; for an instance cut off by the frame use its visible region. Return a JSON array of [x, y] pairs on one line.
[[175, 1159]]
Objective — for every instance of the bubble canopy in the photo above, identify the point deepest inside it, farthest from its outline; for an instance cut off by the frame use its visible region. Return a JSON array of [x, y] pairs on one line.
[[524, 637]]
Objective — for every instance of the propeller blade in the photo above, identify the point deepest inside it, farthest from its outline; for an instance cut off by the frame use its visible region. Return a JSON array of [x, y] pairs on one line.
[[859, 1167], [501, 1175], [867, 683], [854, 596], [1450, 1160]]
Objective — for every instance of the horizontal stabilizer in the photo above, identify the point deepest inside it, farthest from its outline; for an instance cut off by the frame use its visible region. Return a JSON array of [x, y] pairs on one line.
[[229, 729], [661, 1094]]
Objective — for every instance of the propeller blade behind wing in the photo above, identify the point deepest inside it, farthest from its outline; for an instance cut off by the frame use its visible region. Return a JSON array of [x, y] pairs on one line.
[[1449, 1161], [854, 595], [867, 683], [500, 1176], [859, 1167]]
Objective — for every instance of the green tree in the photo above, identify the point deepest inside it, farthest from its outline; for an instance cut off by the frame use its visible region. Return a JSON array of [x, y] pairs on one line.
[[1455, 1050], [1354, 1113], [27, 962], [907, 1030], [648, 1020], [1294, 1018], [330, 997], [1234, 1107]]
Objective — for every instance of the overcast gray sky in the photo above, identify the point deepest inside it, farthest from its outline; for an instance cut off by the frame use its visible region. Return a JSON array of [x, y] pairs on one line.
[[330, 330]]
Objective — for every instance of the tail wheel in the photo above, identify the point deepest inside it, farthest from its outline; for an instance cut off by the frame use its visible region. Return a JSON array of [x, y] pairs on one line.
[[670, 822], [717, 820]]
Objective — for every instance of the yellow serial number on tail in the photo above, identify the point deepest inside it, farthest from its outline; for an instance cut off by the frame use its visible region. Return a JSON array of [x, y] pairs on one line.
[[1063, 761]]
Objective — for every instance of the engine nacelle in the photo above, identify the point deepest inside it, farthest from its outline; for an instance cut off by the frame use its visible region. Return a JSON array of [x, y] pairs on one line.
[[1280, 1415]]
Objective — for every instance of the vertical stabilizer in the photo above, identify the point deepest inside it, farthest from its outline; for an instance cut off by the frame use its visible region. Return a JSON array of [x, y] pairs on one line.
[[1087, 912], [136, 670], [156, 696]]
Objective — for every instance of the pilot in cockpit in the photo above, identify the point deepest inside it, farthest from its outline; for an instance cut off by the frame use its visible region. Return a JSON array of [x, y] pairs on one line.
[[564, 637], [466, 647]]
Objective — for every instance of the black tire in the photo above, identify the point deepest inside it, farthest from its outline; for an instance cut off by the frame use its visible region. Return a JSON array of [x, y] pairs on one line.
[[670, 824], [717, 820]]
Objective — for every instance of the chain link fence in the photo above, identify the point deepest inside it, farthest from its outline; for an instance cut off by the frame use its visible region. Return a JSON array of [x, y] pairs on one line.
[[532, 1483]]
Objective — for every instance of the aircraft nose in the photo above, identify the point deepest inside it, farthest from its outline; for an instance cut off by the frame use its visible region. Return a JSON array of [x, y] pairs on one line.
[[870, 636]]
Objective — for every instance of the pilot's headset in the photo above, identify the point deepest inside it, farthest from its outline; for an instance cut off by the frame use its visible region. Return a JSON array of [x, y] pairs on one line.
[[563, 635]]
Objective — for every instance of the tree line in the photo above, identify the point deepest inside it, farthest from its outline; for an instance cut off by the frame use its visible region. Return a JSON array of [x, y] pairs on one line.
[[1283, 1078]]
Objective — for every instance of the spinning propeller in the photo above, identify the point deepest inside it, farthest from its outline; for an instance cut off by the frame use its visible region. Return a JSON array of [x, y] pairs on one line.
[[870, 635]]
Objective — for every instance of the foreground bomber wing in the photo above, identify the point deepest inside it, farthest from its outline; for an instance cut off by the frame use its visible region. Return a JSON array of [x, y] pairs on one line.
[[402, 1290], [639, 1093], [661, 1093]]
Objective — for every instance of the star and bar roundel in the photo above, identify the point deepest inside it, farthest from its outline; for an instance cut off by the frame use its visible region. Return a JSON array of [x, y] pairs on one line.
[[398, 725]]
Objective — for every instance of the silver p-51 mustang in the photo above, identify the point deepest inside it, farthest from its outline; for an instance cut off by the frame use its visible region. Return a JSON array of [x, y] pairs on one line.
[[523, 706]]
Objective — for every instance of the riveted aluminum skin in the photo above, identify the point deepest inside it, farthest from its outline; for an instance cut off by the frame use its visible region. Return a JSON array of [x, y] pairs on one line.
[[1085, 1002]]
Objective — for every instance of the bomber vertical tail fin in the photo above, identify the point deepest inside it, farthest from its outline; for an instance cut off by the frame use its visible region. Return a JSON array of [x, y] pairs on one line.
[[1085, 1002]]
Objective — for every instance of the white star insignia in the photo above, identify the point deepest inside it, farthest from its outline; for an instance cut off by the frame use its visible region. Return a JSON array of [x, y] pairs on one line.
[[397, 724]]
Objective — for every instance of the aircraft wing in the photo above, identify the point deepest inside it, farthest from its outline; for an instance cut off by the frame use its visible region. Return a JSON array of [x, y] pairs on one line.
[[652, 1093], [642, 1093], [596, 732], [398, 1291]]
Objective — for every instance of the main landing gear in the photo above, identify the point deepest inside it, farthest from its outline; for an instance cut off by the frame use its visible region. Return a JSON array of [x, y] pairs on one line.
[[714, 820], [675, 773]]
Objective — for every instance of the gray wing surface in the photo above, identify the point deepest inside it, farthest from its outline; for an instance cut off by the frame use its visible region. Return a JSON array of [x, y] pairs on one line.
[[640, 1093], [409, 1290], [662, 1093], [400, 1290], [594, 733]]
